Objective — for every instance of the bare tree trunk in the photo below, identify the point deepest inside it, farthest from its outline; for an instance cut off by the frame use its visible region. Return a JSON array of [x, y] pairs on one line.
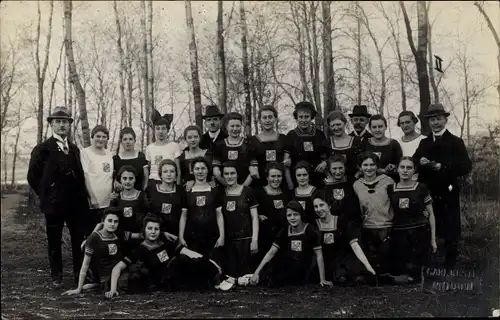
[[497, 40], [302, 60], [358, 45], [246, 72], [328, 83], [193, 55], [420, 55], [316, 62], [142, 124], [253, 91], [130, 81], [121, 73], [5, 160], [15, 152], [144, 53], [149, 26], [221, 60], [52, 86], [41, 70], [435, 90], [74, 80]]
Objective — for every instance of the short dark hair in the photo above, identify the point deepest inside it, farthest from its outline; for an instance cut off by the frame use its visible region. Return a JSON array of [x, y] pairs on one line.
[[377, 117], [230, 164], [111, 210], [268, 108], [233, 116], [165, 162], [150, 217], [202, 160], [336, 158], [297, 207], [407, 113], [192, 128], [302, 165], [368, 155], [125, 168], [99, 128], [274, 165], [127, 130]]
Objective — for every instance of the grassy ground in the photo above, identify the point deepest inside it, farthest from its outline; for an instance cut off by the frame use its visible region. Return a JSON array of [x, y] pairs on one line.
[[26, 294]]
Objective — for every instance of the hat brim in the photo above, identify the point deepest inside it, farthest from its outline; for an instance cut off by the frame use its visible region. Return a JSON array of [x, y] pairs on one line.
[[359, 115], [219, 115], [446, 114], [49, 119]]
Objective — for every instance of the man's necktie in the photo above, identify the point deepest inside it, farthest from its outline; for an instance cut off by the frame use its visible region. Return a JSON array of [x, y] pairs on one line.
[[65, 149]]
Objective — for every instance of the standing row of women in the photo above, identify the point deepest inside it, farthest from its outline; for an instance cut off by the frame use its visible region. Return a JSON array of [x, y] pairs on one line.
[[242, 202]]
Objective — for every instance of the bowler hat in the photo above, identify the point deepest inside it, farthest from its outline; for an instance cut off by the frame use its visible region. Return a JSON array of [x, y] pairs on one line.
[[360, 111], [305, 105], [212, 111], [436, 109], [60, 113]]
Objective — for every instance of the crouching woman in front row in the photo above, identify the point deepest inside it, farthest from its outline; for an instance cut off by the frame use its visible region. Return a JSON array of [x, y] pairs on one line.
[[170, 265], [296, 245]]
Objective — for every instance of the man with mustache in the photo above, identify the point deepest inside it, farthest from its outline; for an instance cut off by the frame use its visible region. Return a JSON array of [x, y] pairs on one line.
[[213, 118], [444, 161], [359, 119], [56, 176]]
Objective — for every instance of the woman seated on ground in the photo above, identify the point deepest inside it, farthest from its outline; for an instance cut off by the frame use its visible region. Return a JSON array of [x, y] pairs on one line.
[[376, 212], [170, 265], [102, 250], [132, 204], [239, 208], [413, 225], [340, 238], [296, 245], [166, 199], [305, 191]]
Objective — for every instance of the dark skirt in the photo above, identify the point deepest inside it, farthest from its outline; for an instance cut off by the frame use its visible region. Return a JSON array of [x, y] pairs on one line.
[[376, 245], [238, 258], [410, 250]]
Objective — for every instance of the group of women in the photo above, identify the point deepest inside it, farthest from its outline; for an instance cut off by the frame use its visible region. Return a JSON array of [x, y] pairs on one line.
[[270, 209]]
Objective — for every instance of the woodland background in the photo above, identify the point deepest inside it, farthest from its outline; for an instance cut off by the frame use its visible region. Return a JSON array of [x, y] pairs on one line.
[[112, 62]]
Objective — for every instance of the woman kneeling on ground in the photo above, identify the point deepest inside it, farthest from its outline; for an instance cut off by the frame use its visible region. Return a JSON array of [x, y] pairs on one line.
[[170, 265], [296, 245]]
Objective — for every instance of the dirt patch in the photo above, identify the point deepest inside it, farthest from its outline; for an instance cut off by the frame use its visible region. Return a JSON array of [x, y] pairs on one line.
[[26, 294]]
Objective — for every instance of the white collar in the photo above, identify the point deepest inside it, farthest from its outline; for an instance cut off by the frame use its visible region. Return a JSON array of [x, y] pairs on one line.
[[213, 135], [60, 139], [440, 133]]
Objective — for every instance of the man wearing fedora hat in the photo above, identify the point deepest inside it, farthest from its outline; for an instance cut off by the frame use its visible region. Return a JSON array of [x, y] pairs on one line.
[[212, 118], [443, 161], [56, 176], [359, 119]]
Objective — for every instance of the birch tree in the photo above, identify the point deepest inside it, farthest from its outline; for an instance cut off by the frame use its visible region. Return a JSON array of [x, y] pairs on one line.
[[328, 76], [144, 69], [121, 72], [41, 68], [193, 57], [246, 72], [221, 60], [73, 74]]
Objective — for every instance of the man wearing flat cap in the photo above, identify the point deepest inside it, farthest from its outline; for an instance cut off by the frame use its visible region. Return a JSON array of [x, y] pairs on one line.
[[443, 161], [56, 176], [213, 118], [359, 119]]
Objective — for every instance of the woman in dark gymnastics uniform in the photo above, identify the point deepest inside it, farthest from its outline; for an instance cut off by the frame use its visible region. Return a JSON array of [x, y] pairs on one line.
[[414, 226], [294, 248], [388, 150], [170, 265], [166, 199], [127, 154], [201, 227], [340, 238], [102, 251], [233, 148], [306, 143], [304, 193], [267, 146], [343, 144], [192, 135], [132, 204], [272, 200], [239, 207]]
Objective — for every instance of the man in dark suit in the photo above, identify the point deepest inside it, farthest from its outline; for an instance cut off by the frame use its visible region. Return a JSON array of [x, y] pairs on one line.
[[443, 161], [56, 176], [359, 119], [213, 122]]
